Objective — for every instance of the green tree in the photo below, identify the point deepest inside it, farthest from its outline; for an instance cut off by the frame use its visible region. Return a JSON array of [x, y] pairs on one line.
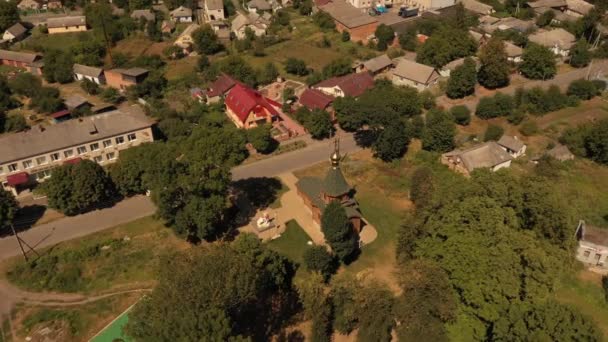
[[46, 100], [345, 36], [408, 41], [538, 62], [422, 187], [344, 295], [582, 89], [428, 302], [580, 56], [15, 123], [318, 259], [385, 35], [261, 139], [89, 86], [57, 66], [440, 131], [392, 142], [140, 4], [206, 41], [238, 68], [462, 80], [319, 124], [8, 208], [75, 188], [338, 231], [605, 286], [494, 69], [202, 63], [493, 132], [550, 321], [111, 95], [496, 106], [296, 67], [324, 20], [9, 14], [461, 114], [25, 84], [337, 67], [445, 45]]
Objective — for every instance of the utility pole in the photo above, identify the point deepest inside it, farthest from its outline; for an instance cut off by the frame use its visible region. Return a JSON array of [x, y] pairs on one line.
[[21, 243]]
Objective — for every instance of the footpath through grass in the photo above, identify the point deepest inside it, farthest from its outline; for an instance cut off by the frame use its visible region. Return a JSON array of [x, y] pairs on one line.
[[122, 257]]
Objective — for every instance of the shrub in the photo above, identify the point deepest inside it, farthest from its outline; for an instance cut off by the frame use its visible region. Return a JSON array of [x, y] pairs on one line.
[[496, 106], [582, 89], [493, 132], [517, 117], [317, 258], [427, 99], [89, 86], [461, 114], [529, 128]]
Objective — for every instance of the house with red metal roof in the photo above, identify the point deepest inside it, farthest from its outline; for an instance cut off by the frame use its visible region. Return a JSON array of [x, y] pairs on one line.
[[247, 108], [315, 99], [353, 85], [219, 88]]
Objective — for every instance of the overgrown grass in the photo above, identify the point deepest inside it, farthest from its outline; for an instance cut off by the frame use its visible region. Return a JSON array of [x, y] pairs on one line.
[[120, 257], [74, 320], [65, 41], [292, 242]]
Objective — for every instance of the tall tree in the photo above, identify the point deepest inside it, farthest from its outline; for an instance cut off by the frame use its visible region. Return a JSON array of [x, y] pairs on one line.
[[494, 70], [375, 314], [462, 80], [439, 132], [392, 142], [385, 35], [445, 45], [9, 14], [538, 62], [206, 41], [580, 56], [338, 231], [57, 66], [8, 208]]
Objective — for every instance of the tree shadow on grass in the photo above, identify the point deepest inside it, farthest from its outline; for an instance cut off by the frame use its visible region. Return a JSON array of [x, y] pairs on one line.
[[25, 219], [365, 138]]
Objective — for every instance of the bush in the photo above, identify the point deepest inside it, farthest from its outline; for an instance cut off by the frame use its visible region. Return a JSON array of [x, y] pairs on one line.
[[496, 106], [582, 89], [111, 95], [89, 86], [296, 67], [493, 132], [427, 99], [461, 114], [516, 117], [529, 128], [261, 139], [317, 258], [345, 36]]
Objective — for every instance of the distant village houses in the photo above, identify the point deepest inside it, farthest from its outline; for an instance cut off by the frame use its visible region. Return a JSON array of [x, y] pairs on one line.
[[558, 40], [492, 155], [410, 73], [30, 62], [592, 246], [357, 23], [66, 24], [181, 15], [121, 79], [214, 10], [352, 85], [92, 74], [256, 23], [14, 33]]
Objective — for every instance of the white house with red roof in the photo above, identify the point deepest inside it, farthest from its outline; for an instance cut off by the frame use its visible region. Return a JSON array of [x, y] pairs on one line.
[[247, 108]]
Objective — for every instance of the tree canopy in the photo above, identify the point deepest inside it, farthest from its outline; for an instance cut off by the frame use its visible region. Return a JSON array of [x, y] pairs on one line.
[[494, 69], [338, 231], [445, 45], [462, 80], [8, 208], [439, 132], [538, 62]]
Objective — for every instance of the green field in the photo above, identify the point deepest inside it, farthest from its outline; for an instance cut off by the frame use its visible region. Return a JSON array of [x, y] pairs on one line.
[[114, 331]]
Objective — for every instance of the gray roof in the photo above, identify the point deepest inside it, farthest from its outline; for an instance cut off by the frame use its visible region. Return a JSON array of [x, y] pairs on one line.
[[347, 14], [66, 21], [378, 63], [261, 5], [334, 183], [513, 50], [477, 7], [488, 154], [579, 6], [214, 4], [595, 235], [75, 101], [560, 37], [70, 133], [87, 70], [547, 3], [17, 30], [181, 11], [511, 143], [561, 153], [18, 56], [143, 13], [133, 72], [415, 71]]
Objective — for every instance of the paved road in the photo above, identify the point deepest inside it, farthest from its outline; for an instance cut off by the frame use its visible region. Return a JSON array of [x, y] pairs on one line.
[[598, 69]]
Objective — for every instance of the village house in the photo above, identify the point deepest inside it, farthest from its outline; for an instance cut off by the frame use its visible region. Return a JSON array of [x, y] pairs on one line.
[[592, 246], [513, 52], [358, 24], [219, 88], [247, 108], [53, 4], [146, 14], [578, 8], [28, 157], [258, 6], [66, 24], [316, 99], [214, 10], [447, 69], [513, 146], [258, 24], [352, 85], [123, 78], [487, 155], [29, 61], [477, 7], [181, 15], [76, 102], [28, 5], [92, 74], [317, 193], [558, 40], [561, 153], [375, 65], [14, 33], [185, 40], [410, 73]]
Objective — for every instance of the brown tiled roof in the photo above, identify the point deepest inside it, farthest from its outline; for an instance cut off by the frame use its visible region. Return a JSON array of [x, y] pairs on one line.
[[352, 84], [315, 99], [16, 30], [579, 6], [378, 63], [547, 3], [513, 50], [593, 234], [221, 85], [66, 21], [18, 56]]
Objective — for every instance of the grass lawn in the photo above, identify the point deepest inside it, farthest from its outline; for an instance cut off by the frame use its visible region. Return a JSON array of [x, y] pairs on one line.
[[74, 323], [292, 242], [584, 292], [114, 331], [119, 258], [64, 41]]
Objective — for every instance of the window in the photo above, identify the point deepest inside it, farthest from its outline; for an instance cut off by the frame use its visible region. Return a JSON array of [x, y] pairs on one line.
[[41, 160], [81, 150], [28, 164], [111, 156], [98, 159], [94, 147], [68, 153], [586, 254], [42, 175], [12, 167], [107, 143], [55, 157], [131, 137], [120, 140]]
